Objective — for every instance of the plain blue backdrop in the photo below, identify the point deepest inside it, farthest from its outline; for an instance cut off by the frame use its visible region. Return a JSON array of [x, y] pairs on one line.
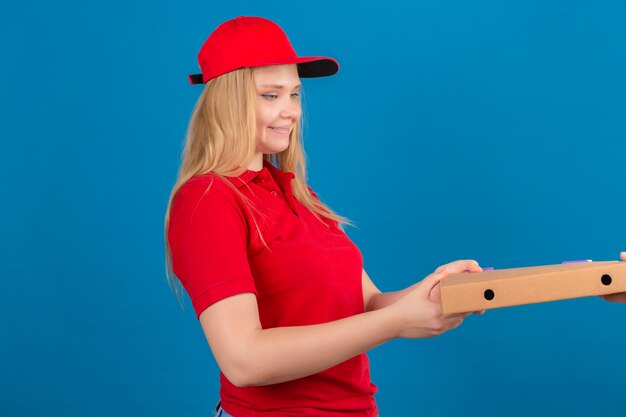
[[455, 129]]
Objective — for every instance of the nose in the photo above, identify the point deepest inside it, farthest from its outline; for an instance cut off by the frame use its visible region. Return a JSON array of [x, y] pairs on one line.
[[291, 110]]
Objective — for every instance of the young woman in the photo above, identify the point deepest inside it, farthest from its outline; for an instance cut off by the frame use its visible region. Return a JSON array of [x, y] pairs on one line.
[[278, 287]]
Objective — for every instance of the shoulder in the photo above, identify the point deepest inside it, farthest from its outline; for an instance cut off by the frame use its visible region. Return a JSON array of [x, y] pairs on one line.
[[204, 181], [205, 209], [206, 185], [206, 192]]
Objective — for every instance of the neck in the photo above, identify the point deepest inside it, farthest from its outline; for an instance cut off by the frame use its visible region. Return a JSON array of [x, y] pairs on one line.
[[257, 162]]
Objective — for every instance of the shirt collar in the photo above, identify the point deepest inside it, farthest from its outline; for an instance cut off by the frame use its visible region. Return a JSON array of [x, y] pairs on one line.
[[268, 170]]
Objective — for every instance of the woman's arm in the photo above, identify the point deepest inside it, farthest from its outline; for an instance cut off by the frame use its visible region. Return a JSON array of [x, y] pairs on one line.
[[249, 355]]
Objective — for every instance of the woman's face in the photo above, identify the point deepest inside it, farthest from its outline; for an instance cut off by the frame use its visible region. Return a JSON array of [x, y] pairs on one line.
[[278, 106]]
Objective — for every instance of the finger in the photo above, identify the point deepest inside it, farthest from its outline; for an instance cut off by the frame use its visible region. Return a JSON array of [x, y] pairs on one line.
[[461, 266], [448, 266], [435, 294], [428, 283], [472, 266], [444, 266], [615, 298], [453, 318], [606, 297], [454, 324]]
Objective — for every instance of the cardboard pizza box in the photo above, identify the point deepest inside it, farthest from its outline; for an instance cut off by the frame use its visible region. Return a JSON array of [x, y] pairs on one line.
[[486, 290]]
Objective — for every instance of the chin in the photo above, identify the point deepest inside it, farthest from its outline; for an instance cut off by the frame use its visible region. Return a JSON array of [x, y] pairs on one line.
[[276, 147]]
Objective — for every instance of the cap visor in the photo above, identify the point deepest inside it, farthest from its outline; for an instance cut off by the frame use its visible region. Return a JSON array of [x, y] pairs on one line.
[[318, 67], [308, 67], [195, 79]]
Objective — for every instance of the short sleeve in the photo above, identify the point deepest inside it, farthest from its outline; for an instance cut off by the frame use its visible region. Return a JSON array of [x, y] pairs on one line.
[[208, 237]]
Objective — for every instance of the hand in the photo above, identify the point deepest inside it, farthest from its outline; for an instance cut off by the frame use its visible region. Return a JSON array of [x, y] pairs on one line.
[[460, 266], [621, 296], [416, 315], [456, 267]]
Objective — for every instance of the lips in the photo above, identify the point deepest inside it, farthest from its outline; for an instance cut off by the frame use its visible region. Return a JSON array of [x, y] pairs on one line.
[[280, 130]]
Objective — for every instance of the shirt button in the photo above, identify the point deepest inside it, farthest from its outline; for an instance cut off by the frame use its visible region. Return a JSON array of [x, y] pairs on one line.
[[274, 192]]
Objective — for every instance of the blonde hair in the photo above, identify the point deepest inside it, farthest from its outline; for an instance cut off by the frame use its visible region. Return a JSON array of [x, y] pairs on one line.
[[221, 140]]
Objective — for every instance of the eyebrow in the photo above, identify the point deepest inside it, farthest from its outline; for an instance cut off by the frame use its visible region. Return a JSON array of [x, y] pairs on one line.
[[278, 86]]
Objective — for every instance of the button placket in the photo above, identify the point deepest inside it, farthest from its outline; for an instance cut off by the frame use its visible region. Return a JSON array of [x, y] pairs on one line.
[[283, 182], [265, 182]]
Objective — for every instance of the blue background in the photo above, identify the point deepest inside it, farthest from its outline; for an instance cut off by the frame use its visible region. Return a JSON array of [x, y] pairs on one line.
[[455, 129]]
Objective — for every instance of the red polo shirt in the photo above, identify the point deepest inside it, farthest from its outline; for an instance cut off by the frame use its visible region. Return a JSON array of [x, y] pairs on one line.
[[310, 274]]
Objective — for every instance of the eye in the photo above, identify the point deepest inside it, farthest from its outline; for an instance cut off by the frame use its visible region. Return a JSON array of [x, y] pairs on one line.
[[296, 94], [270, 97]]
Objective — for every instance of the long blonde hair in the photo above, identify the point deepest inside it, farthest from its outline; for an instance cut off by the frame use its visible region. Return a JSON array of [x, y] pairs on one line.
[[221, 140]]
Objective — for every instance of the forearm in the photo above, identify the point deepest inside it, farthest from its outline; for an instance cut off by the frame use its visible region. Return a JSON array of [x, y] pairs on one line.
[[286, 353], [385, 299]]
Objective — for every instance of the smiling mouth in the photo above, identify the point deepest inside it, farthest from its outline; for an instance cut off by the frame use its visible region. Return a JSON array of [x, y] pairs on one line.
[[280, 130]]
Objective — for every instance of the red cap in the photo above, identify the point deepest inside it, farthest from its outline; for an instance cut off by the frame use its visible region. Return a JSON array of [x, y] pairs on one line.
[[254, 42]]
